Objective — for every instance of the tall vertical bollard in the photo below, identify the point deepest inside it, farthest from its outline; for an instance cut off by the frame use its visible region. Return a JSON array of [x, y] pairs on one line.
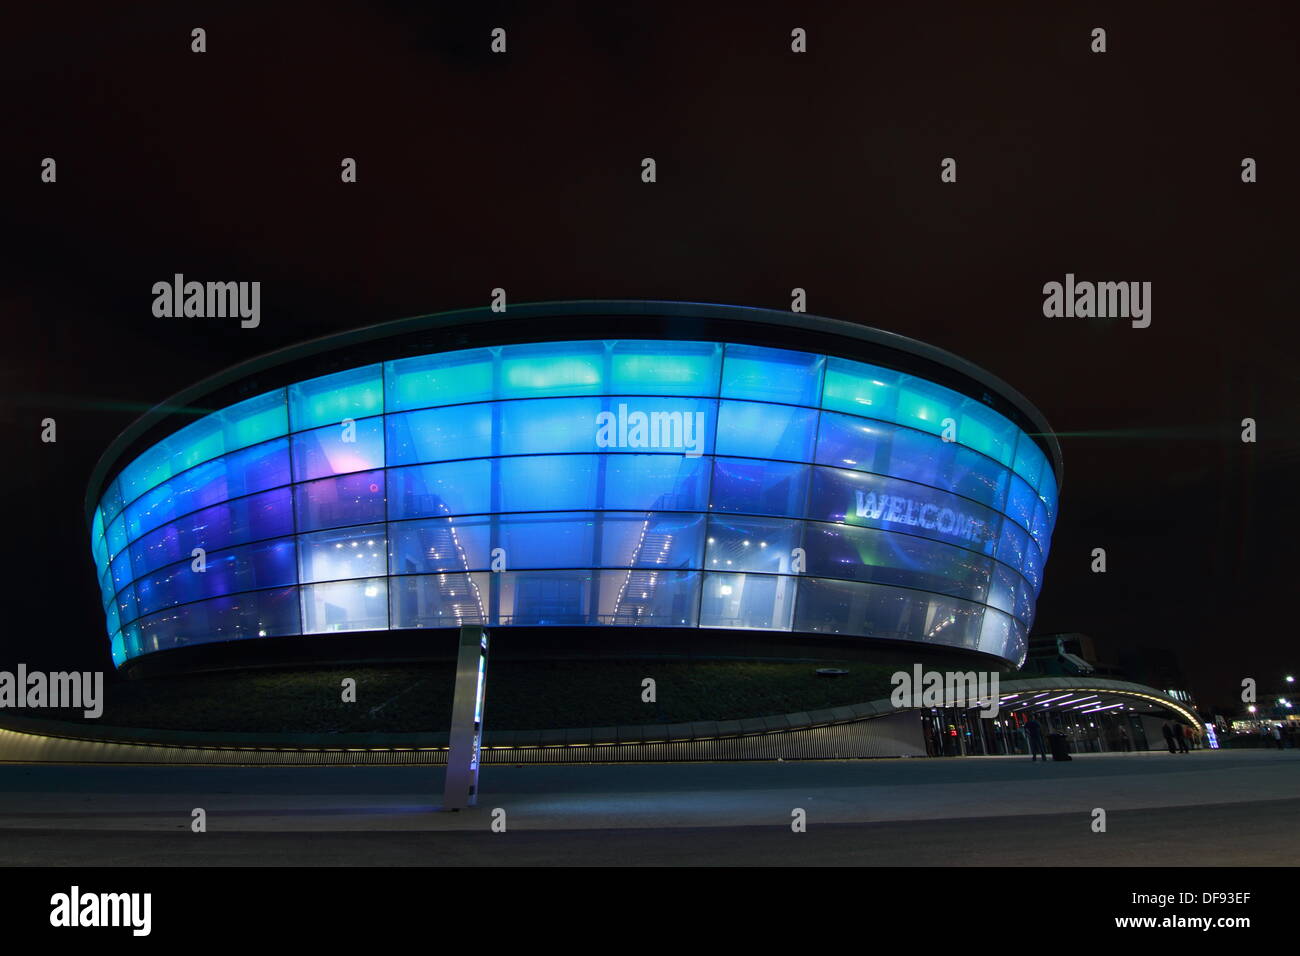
[[466, 741]]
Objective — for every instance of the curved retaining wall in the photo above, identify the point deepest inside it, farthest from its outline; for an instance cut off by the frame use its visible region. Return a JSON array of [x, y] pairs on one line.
[[873, 729]]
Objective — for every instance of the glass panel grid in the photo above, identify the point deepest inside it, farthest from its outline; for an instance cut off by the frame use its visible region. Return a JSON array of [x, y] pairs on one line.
[[628, 483]]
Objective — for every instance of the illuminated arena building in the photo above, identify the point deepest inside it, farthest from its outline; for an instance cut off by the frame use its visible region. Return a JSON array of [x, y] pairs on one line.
[[589, 478]]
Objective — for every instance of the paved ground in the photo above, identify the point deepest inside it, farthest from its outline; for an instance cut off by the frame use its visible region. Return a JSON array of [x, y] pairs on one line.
[[1205, 808]]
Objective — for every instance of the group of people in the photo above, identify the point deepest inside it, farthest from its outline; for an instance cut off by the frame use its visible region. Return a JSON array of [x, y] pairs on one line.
[[1181, 738], [1280, 736]]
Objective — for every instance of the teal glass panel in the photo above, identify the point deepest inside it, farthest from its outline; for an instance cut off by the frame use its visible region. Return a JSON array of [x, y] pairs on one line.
[[860, 389], [665, 368], [989, 433], [566, 368], [197, 442], [330, 399], [110, 505], [426, 381], [256, 420], [149, 470], [117, 536], [924, 405]]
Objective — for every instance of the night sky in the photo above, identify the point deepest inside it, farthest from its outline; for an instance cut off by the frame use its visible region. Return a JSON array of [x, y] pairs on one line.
[[775, 170]]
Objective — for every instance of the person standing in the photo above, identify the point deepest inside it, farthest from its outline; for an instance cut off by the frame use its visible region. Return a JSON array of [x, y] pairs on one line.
[[1184, 734], [1034, 732], [1169, 737]]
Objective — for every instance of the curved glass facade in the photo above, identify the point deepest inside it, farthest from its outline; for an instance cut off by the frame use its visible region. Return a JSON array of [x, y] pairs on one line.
[[588, 483]]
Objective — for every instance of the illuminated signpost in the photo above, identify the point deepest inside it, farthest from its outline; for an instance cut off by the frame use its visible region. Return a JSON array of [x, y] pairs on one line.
[[466, 740]]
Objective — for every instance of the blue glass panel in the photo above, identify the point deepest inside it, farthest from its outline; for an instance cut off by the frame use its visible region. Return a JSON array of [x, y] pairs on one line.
[[345, 606], [127, 608], [348, 499], [641, 540], [360, 552], [1033, 565], [552, 368], [1011, 549], [240, 473], [232, 617], [1030, 460], [869, 554], [440, 434], [451, 488], [552, 426], [549, 482], [759, 487], [451, 378], [763, 545], [762, 602], [997, 633], [655, 483], [1010, 592], [876, 610], [110, 506], [107, 589], [353, 394], [772, 375], [921, 457], [1021, 501], [845, 441], [113, 618], [548, 598], [122, 573], [639, 598], [665, 368], [547, 541], [440, 600], [268, 514], [338, 449], [756, 430], [1047, 492], [266, 564], [972, 475], [1041, 527], [441, 545]]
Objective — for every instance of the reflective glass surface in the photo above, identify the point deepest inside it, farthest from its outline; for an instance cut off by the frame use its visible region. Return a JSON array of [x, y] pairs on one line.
[[621, 483]]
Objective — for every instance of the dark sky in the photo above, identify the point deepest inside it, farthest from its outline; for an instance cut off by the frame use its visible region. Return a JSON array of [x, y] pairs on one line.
[[775, 170]]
